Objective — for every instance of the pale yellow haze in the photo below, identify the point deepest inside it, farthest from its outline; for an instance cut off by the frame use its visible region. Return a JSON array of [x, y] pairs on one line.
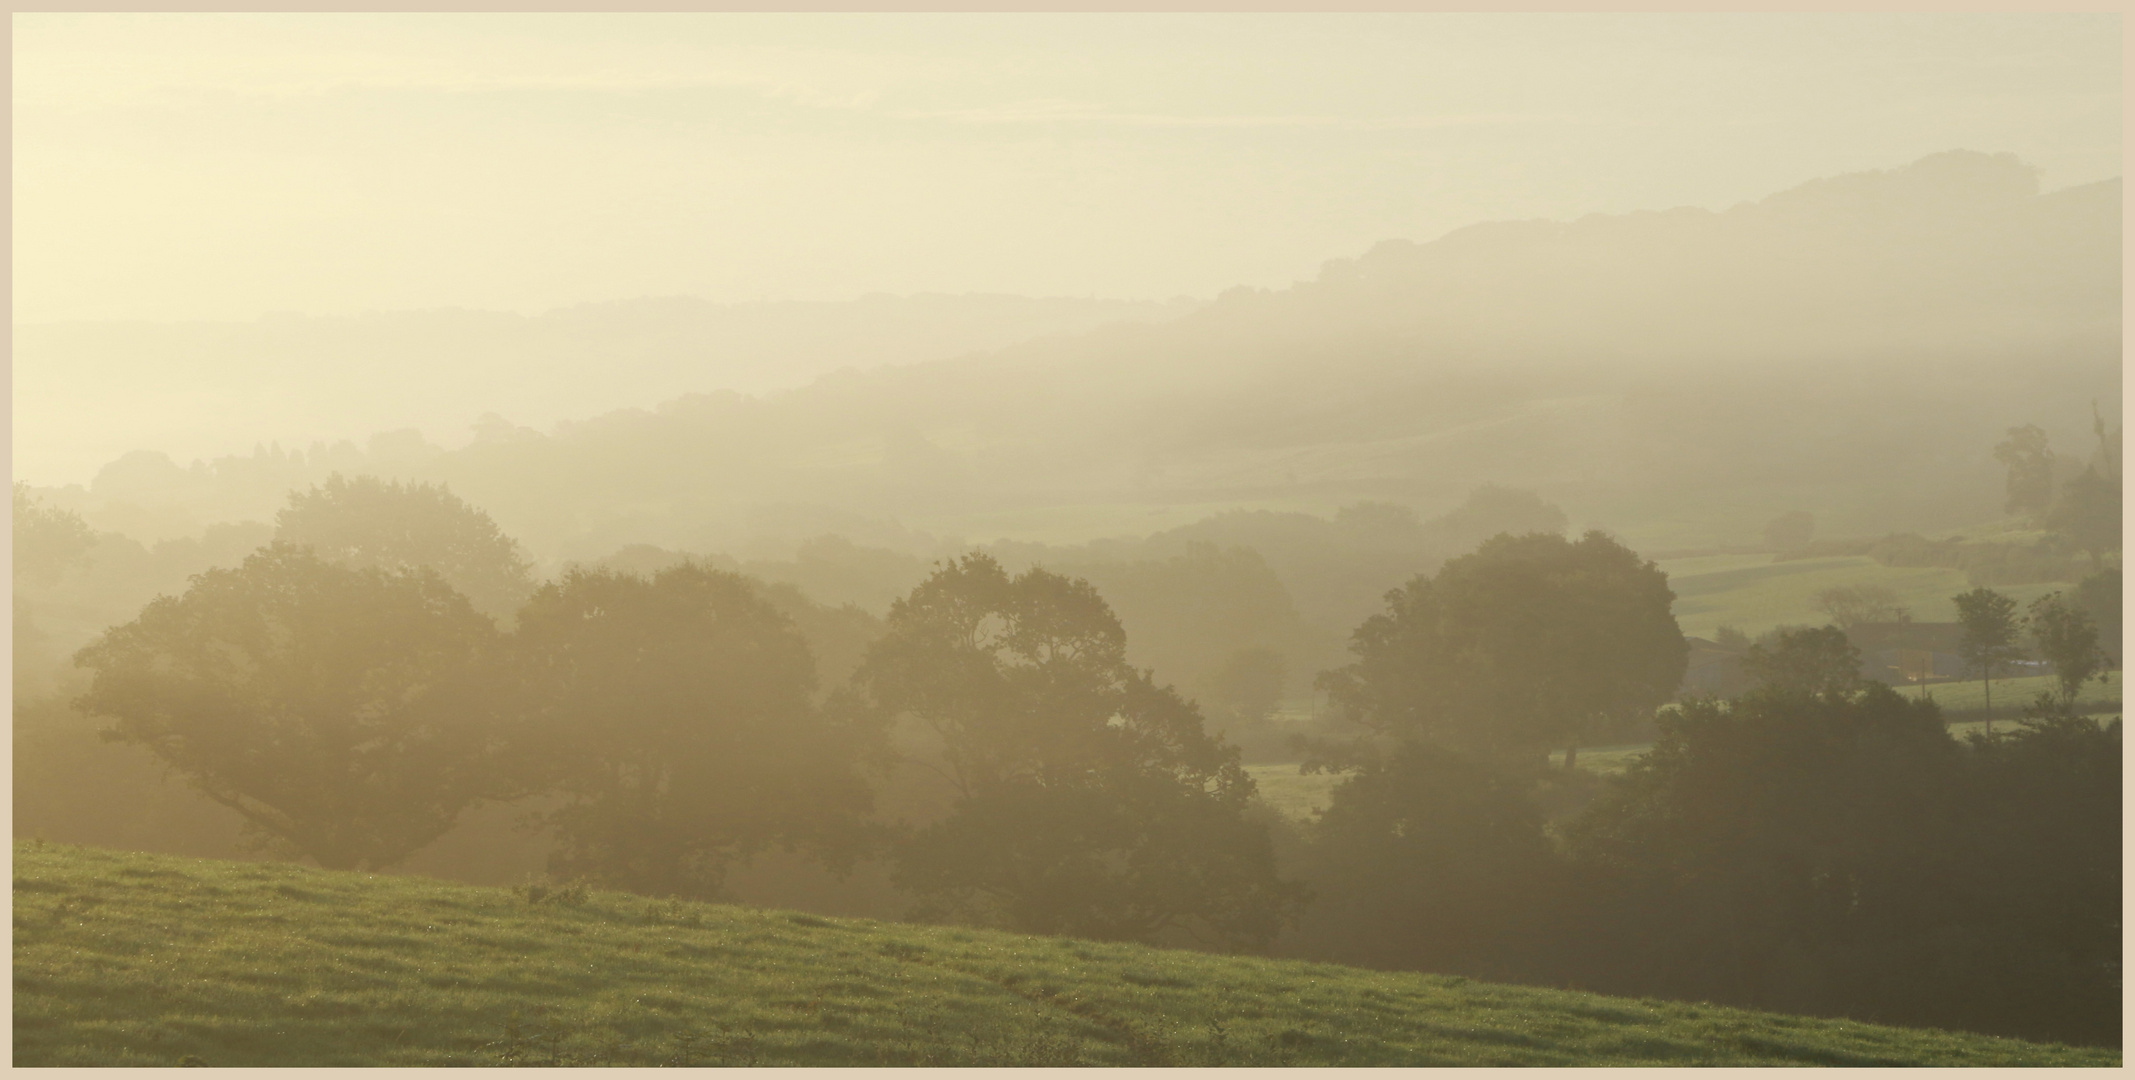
[[223, 167]]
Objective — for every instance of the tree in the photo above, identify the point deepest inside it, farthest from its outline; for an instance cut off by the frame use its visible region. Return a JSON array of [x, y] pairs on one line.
[[1526, 644], [1815, 660], [2064, 634], [1990, 628], [2099, 595], [1426, 858], [675, 715], [1851, 605], [1790, 531], [1844, 856], [48, 540], [1088, 800], [2088, 512], [2087, 515], [346, 714], [2030, 485], [370, 522]]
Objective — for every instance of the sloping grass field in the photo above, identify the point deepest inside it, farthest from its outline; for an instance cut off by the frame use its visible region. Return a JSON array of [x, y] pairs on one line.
[[132, 959], [1753, 594], [1968, 694]]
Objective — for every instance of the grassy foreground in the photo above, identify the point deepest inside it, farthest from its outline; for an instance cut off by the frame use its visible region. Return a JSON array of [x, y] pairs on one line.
[[131, 959]]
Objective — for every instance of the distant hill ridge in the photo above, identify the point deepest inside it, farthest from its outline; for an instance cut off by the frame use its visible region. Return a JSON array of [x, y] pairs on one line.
[[1851, 346]]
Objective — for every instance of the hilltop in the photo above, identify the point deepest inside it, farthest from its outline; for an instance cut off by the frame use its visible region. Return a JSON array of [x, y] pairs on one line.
[[139, 960], [1854, 347]]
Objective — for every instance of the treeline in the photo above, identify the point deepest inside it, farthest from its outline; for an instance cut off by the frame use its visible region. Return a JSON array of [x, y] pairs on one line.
[[386, 667]]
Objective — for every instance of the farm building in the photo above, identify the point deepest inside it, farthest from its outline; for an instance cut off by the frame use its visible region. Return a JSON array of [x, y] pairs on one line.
[[1715, 670], [1908, 652]]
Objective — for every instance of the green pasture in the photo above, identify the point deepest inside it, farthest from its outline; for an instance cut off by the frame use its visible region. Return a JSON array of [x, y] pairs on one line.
[[1969, 694], [144, 960], [1753, 593]]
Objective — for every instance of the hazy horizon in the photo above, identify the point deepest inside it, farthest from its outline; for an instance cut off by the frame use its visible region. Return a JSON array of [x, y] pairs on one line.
[[333, 165]]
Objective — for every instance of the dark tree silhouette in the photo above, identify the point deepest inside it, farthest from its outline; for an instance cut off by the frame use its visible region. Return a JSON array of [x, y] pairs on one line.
[[2099, 594], [675, 714], [1816, 660], [1088, 800], [1526, 644], [2064, 634], [1837, 855], [1990, 636], [347, 714]]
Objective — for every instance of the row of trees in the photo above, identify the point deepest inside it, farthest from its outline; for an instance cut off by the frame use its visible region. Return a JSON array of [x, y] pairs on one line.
[[350, 704], [1817, 846], [2060, 629]]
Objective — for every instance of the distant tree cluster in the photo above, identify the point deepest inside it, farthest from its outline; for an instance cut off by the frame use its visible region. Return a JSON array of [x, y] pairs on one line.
[[1818, 845], [2085, 511]]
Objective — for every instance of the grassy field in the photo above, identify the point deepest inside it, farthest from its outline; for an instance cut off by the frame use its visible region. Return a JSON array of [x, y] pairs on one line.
[[1753, 594], [142, 960], [1958, 696]]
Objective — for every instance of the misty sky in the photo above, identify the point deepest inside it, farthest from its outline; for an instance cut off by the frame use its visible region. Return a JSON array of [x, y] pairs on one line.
[[224, 167]]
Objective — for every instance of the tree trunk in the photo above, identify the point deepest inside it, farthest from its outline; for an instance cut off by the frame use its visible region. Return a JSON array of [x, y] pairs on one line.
[[1571, 757], [1986, 684]]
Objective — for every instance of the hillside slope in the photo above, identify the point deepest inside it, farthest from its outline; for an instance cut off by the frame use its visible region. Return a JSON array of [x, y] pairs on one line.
[[130, 959], [1853, 347]]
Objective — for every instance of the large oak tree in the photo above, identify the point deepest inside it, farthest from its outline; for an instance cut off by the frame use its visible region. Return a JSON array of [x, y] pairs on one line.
[[347, 714]]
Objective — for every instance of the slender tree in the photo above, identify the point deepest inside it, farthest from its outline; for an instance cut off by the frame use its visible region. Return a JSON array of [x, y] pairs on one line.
[[1990, 637]]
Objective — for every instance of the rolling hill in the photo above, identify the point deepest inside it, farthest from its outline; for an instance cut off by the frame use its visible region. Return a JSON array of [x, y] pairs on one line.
[[1853, 347], [143, 960]]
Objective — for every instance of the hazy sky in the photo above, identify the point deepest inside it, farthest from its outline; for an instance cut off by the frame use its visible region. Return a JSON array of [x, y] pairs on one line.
[[222, 167]]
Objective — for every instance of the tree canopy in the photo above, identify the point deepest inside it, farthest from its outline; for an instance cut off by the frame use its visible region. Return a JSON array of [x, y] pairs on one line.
[[2030, 462], [2064, 634], [1528, 643], [675, 715], [344, 713], [48, 540], [1990, 634], [1842, 854], [1089, 800], [371, 522], [1814, 660]]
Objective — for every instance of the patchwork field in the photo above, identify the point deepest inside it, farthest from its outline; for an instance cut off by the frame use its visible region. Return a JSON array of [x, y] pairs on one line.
[[1753, 594], [1959, 696], [141, 960]]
